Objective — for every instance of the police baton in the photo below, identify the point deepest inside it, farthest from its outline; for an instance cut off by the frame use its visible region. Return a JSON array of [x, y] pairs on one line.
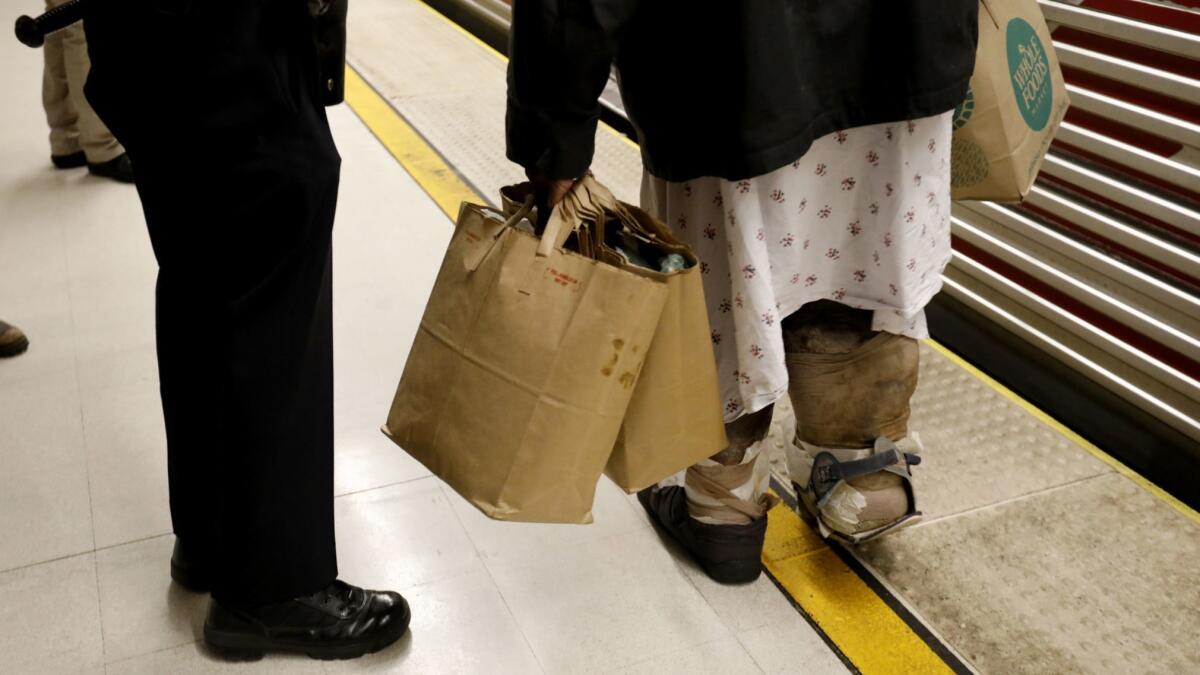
[[32, 32]]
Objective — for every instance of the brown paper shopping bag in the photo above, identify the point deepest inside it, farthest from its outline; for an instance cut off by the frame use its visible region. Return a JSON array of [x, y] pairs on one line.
[[1014, 106], [523, 367], [674, 418]]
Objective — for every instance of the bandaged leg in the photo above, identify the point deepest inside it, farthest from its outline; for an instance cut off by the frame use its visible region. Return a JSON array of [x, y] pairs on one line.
[[851, 387], [732, 487], [736, 494]]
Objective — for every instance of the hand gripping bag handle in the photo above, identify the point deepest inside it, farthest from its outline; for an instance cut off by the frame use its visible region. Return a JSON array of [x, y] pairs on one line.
[[587, 201]]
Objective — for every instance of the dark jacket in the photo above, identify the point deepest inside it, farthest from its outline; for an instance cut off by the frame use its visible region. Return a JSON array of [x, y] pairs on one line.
[[729, 88], [186, 63]]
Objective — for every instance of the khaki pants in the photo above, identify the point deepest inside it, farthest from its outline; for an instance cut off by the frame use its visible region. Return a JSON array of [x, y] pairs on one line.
[[74, 126]]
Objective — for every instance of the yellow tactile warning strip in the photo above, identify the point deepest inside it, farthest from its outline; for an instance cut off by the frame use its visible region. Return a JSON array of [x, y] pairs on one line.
[[858, 623], [1071, 435], [447, 189], [856, 620]]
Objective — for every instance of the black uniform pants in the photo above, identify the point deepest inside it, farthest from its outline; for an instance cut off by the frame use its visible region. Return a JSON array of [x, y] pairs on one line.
[[237, 172]]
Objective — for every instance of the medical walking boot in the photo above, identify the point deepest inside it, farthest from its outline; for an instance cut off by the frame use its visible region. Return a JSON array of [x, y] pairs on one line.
[[851, 459]]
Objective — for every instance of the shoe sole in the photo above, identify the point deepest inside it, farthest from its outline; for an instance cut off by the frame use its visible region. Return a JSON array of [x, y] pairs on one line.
[[729, 573], [251, 647], [15, 349], [101, 173], [733, 573]]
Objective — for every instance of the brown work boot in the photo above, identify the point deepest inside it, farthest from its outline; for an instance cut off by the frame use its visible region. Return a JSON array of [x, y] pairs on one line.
[[12, 340]]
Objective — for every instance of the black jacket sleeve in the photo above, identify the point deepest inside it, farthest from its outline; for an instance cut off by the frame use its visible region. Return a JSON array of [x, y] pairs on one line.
[[561, 52]]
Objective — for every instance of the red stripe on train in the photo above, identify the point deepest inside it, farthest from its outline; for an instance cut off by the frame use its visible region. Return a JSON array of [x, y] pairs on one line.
[[1080, 310], [1111, 248], [1152, 12]]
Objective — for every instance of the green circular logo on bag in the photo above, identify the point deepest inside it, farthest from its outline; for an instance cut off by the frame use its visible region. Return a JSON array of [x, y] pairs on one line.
[[1029, 67], [964, 110]]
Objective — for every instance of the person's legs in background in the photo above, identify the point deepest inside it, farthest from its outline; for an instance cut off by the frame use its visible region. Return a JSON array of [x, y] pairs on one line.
[[65, 150], [77, 136]]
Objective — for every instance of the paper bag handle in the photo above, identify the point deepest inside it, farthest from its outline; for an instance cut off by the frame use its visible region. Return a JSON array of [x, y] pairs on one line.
[[987, 7], [476, 257], [587, 200], [523, 212]]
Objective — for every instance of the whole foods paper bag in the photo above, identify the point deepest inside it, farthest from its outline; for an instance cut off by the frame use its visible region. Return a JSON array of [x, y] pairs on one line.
[[1015, 104]]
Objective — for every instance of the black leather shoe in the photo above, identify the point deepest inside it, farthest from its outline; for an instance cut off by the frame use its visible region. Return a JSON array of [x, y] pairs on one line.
[[12, 340], [119, 169], [74, 160], [729, 554], [188, 569], [340, 622]]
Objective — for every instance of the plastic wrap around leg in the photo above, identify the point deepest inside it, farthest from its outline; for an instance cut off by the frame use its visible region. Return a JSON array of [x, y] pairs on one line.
[[718, 494]]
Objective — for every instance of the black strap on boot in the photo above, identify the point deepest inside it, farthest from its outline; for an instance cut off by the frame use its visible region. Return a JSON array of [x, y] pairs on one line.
[[828, 471]]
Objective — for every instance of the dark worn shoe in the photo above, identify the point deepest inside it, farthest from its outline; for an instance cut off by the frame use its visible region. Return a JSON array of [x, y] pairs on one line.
[[340, 622], [119, 169], [189, 569], [729, 554], [12, 340], [75, 160]]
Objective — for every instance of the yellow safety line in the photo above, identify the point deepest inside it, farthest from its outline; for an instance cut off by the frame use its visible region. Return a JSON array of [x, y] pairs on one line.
[[866, 630], [1082, 442], [425, 165]]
